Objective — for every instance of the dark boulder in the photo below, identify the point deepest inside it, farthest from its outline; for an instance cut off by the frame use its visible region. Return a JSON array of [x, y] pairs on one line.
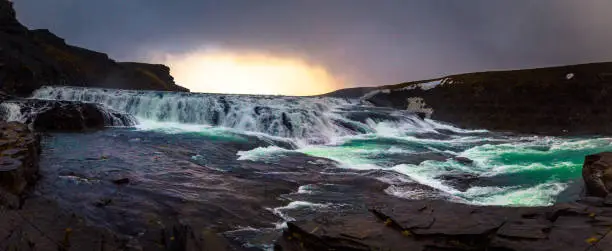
[[48, 115], [463, 160], [122, 181], [70, 117], [460, 181], [597, 174]]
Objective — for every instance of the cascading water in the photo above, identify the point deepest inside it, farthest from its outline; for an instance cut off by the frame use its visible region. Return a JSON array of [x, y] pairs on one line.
[[508, 169], [11, 111], [314, 120], [211, 156]]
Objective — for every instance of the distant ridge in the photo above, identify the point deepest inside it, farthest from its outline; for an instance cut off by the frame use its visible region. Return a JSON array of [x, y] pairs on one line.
[[562, 100]]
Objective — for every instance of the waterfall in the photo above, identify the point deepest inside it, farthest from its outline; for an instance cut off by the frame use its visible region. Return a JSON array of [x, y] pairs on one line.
[[314, 119]]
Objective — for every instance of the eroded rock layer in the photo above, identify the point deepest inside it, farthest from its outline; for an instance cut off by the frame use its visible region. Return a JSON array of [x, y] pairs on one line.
[[440, 225], [19, 151]]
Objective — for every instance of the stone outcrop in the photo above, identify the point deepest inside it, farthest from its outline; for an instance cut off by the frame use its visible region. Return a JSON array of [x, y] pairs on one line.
[[19, 151], [567, 100], [48, 115], [597, 174], [30, 59], [441, 225]]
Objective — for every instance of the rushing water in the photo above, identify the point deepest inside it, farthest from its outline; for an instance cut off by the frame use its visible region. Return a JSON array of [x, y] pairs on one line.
[[509, 170], [194, 148]]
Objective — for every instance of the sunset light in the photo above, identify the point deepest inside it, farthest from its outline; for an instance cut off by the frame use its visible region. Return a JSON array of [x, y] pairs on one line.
[[250, 73]]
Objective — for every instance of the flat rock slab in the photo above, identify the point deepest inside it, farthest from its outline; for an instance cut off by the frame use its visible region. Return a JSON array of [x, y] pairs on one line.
[[41, 225], [441, 225], [361, 232], [525, 228]]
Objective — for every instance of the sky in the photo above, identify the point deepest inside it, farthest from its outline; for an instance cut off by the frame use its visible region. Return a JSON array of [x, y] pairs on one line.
[[331, 44]]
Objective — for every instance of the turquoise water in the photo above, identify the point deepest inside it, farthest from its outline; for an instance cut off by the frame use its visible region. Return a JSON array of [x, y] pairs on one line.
[[527, 171], [504, 170]]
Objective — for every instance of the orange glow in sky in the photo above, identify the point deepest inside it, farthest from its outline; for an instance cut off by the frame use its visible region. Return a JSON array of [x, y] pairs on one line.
[[249, 73]]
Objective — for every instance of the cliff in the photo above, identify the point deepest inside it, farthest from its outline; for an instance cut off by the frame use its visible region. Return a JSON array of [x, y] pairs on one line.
[[566, 100], [30, 59]]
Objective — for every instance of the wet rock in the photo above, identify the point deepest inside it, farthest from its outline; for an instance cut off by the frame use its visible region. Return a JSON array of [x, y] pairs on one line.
[[593, 201], [525, 228], [49, 115], [460, 181], [9, 200], [287, 122], [597, 174], [122, 181], [334, 233], [441, 225], [422, 115], [463, 160], [42, 225], [19, 152], [608, 200], [103, 202]]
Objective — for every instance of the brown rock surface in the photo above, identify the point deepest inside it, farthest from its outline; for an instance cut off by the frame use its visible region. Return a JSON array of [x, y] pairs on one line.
[[441, 225], [597, 174], [19, 151]]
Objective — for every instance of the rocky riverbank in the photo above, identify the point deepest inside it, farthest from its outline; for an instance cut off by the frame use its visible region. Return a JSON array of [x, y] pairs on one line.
[[440, 225], [395, 224], [29, 221], [19, 150], [383, 222], [561, 100]]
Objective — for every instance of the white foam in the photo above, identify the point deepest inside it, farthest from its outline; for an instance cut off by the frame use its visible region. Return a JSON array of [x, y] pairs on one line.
[[509, 169], [279, 211], [425, 174], [580, 144], [408, 193], [441, 125], [263, 153], [170, 127], [305, 189], [540, 195], [12, 112]]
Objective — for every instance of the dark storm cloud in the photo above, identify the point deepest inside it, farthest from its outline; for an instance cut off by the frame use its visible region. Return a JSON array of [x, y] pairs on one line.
[[370, 42]]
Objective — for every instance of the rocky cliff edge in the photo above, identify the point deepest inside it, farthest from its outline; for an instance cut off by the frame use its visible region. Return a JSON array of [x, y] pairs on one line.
[[30, 59]]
